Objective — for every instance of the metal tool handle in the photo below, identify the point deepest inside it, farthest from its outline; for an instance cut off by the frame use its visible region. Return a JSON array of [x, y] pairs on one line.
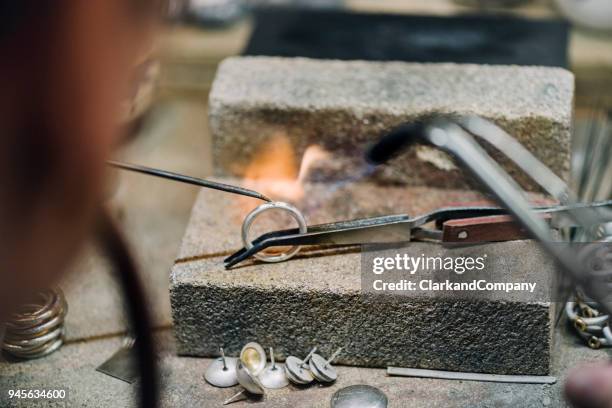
[[484, 229]]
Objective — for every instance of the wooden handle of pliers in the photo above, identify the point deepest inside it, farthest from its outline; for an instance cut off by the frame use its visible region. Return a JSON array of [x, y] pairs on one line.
[[494, 228]]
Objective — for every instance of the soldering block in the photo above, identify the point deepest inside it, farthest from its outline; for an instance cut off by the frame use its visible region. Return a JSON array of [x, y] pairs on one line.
[[316, 298], [345, 105]]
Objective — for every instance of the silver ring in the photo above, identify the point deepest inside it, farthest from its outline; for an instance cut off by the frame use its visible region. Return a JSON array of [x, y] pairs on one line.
[[248, 221]]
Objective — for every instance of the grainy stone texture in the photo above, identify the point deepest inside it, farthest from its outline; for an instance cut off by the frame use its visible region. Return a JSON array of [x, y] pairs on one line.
[[316, 298], [345, 105], [317, 301]]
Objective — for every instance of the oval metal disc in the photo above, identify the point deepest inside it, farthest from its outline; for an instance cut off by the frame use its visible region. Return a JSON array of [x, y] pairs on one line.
[[292, 378], [359, 396], [326, 371], [253, 357], [295, 369], [248, 380], [220, 376], [274, 377]]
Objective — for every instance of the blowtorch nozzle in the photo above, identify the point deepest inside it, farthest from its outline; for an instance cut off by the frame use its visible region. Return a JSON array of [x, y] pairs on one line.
[[395, 142]]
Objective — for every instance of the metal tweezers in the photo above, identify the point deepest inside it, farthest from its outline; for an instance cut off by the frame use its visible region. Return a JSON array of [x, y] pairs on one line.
[[402, 228]]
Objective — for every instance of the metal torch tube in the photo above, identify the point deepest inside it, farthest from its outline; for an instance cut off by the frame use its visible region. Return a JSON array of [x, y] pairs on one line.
[[456, 141]]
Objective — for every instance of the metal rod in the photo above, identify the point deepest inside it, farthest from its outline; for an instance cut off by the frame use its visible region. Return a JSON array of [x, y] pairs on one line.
[[453, 375], [223, 358], [188, 179], [519, 154], [272, 358], [329, 360], [531, 165], [305, 360], [456, 141], [235, 397]]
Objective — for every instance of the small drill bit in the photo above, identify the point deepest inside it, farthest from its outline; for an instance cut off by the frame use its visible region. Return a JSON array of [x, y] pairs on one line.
[[188, 179]]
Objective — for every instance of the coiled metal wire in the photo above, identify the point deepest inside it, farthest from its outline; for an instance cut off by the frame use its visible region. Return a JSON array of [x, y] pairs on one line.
[[590, 323], [37, 329]]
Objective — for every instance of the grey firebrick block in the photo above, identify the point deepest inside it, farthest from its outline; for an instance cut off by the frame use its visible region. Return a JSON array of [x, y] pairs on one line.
[[317, 299], [344, 105]]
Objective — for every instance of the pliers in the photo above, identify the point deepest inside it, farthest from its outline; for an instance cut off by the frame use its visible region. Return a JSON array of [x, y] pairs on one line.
[[451, 225]]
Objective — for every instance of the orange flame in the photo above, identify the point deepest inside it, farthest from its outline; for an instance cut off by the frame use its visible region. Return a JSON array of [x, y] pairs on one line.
[[274, 170]]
